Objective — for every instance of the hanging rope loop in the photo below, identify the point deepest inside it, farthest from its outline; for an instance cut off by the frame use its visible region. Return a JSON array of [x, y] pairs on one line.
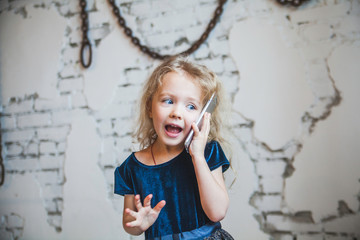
[[85, 50]]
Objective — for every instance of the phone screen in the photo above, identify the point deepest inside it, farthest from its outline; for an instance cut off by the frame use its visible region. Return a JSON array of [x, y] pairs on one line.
[[209, 107]]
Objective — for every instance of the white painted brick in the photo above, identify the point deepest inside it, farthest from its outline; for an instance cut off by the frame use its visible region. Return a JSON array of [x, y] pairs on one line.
[[320, 13], [272, 184], [194, 33], [123, 126], [219, 47], [282, 236], [53, 133], [162, 40], [164, 7], [61, 147], [99, 32], [20, 107], [316, 50], [230, 83], [349, 26], [47, 147], [204, 13], [52, 191], [229, 65], [61, 117], [50, 205], [55, 220], [111, 111], [318, 236], [13, 149], [61, 102], [70, 54], [128, 94], [59, 205], [108, 159], [109, 175], [319, 80], [215, 64], [49, 177], [32, 149], [338, 237], [4, 234], [78, 100], [51, 162], [66, 117], [72, 7], [317, 33], [68, 71], [20, 164], [105, 127], [270, 168], [98, 18], [268, 202], [75, 35], [71, 84], [285, 223], [172, 22], [140, 8], [20, 135], [107, 145], [7, 122], [123, 144], [34, 120], [15, 221], [346, 224], [202, 52], [136, 77], [290, 150]]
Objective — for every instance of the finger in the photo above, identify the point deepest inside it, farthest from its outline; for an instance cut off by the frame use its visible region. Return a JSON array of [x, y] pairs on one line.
[[147, 200], [137, 202], [132, 224], [159, 206], [206, 123], [130, 212], [195, 128]]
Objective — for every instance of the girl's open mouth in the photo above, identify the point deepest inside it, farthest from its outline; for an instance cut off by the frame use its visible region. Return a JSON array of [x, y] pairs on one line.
[[173, 130]]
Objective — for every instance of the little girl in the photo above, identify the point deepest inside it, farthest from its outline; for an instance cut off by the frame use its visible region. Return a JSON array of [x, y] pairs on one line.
[[169, 193]]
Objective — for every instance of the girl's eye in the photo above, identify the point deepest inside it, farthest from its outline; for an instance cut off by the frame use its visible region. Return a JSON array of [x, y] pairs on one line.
[[191, 107], [168, 101]]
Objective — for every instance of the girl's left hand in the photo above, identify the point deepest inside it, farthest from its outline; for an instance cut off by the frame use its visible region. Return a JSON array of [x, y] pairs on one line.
[[200, 137]]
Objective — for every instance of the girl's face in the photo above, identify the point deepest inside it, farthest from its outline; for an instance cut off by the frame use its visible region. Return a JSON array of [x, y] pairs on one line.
[[176, 104]]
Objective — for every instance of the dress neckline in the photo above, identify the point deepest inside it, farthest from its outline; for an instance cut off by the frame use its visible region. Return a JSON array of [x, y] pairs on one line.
[[158, 165]]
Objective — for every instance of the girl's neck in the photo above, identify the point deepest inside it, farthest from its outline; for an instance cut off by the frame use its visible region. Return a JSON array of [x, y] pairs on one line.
[[163, 153]]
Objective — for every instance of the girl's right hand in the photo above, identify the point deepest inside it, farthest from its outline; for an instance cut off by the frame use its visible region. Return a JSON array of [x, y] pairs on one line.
[[145, 216]]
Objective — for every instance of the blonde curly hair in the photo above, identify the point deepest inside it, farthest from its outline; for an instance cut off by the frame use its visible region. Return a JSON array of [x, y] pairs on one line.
[[207, 80]]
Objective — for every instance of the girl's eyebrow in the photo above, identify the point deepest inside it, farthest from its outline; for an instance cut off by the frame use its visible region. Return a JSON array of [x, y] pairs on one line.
[[189, 99]]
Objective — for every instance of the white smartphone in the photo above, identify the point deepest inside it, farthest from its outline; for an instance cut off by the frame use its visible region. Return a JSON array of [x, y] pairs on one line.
[[209, 107]]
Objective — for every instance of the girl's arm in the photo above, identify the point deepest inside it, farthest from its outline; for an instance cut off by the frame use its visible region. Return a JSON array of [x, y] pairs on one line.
[[213, 194], [138, 218]]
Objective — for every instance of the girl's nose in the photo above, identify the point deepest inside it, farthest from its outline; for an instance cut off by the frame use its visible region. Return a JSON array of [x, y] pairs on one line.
[[175, 113]]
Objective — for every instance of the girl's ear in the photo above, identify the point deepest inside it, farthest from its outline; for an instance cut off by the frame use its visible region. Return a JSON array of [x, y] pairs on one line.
[[150, 113]]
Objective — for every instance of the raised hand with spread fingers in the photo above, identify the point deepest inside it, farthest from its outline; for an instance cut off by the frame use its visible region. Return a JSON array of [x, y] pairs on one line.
[[137, 217]]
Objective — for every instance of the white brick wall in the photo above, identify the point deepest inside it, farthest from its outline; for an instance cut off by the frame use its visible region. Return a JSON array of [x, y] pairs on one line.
[[35, 128]]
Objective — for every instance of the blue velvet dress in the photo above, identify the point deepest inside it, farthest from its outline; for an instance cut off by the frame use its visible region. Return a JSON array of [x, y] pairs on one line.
[[173, 181]]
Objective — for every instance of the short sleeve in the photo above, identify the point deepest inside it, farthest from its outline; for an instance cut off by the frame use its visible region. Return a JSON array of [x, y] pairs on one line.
[[122, 180], [215, 156]]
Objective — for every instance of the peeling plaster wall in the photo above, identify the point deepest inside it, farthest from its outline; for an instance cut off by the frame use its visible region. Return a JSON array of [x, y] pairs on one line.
[[292, 76]]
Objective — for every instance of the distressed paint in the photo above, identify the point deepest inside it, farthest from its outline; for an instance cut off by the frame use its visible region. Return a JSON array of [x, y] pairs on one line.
[[51, 114]]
